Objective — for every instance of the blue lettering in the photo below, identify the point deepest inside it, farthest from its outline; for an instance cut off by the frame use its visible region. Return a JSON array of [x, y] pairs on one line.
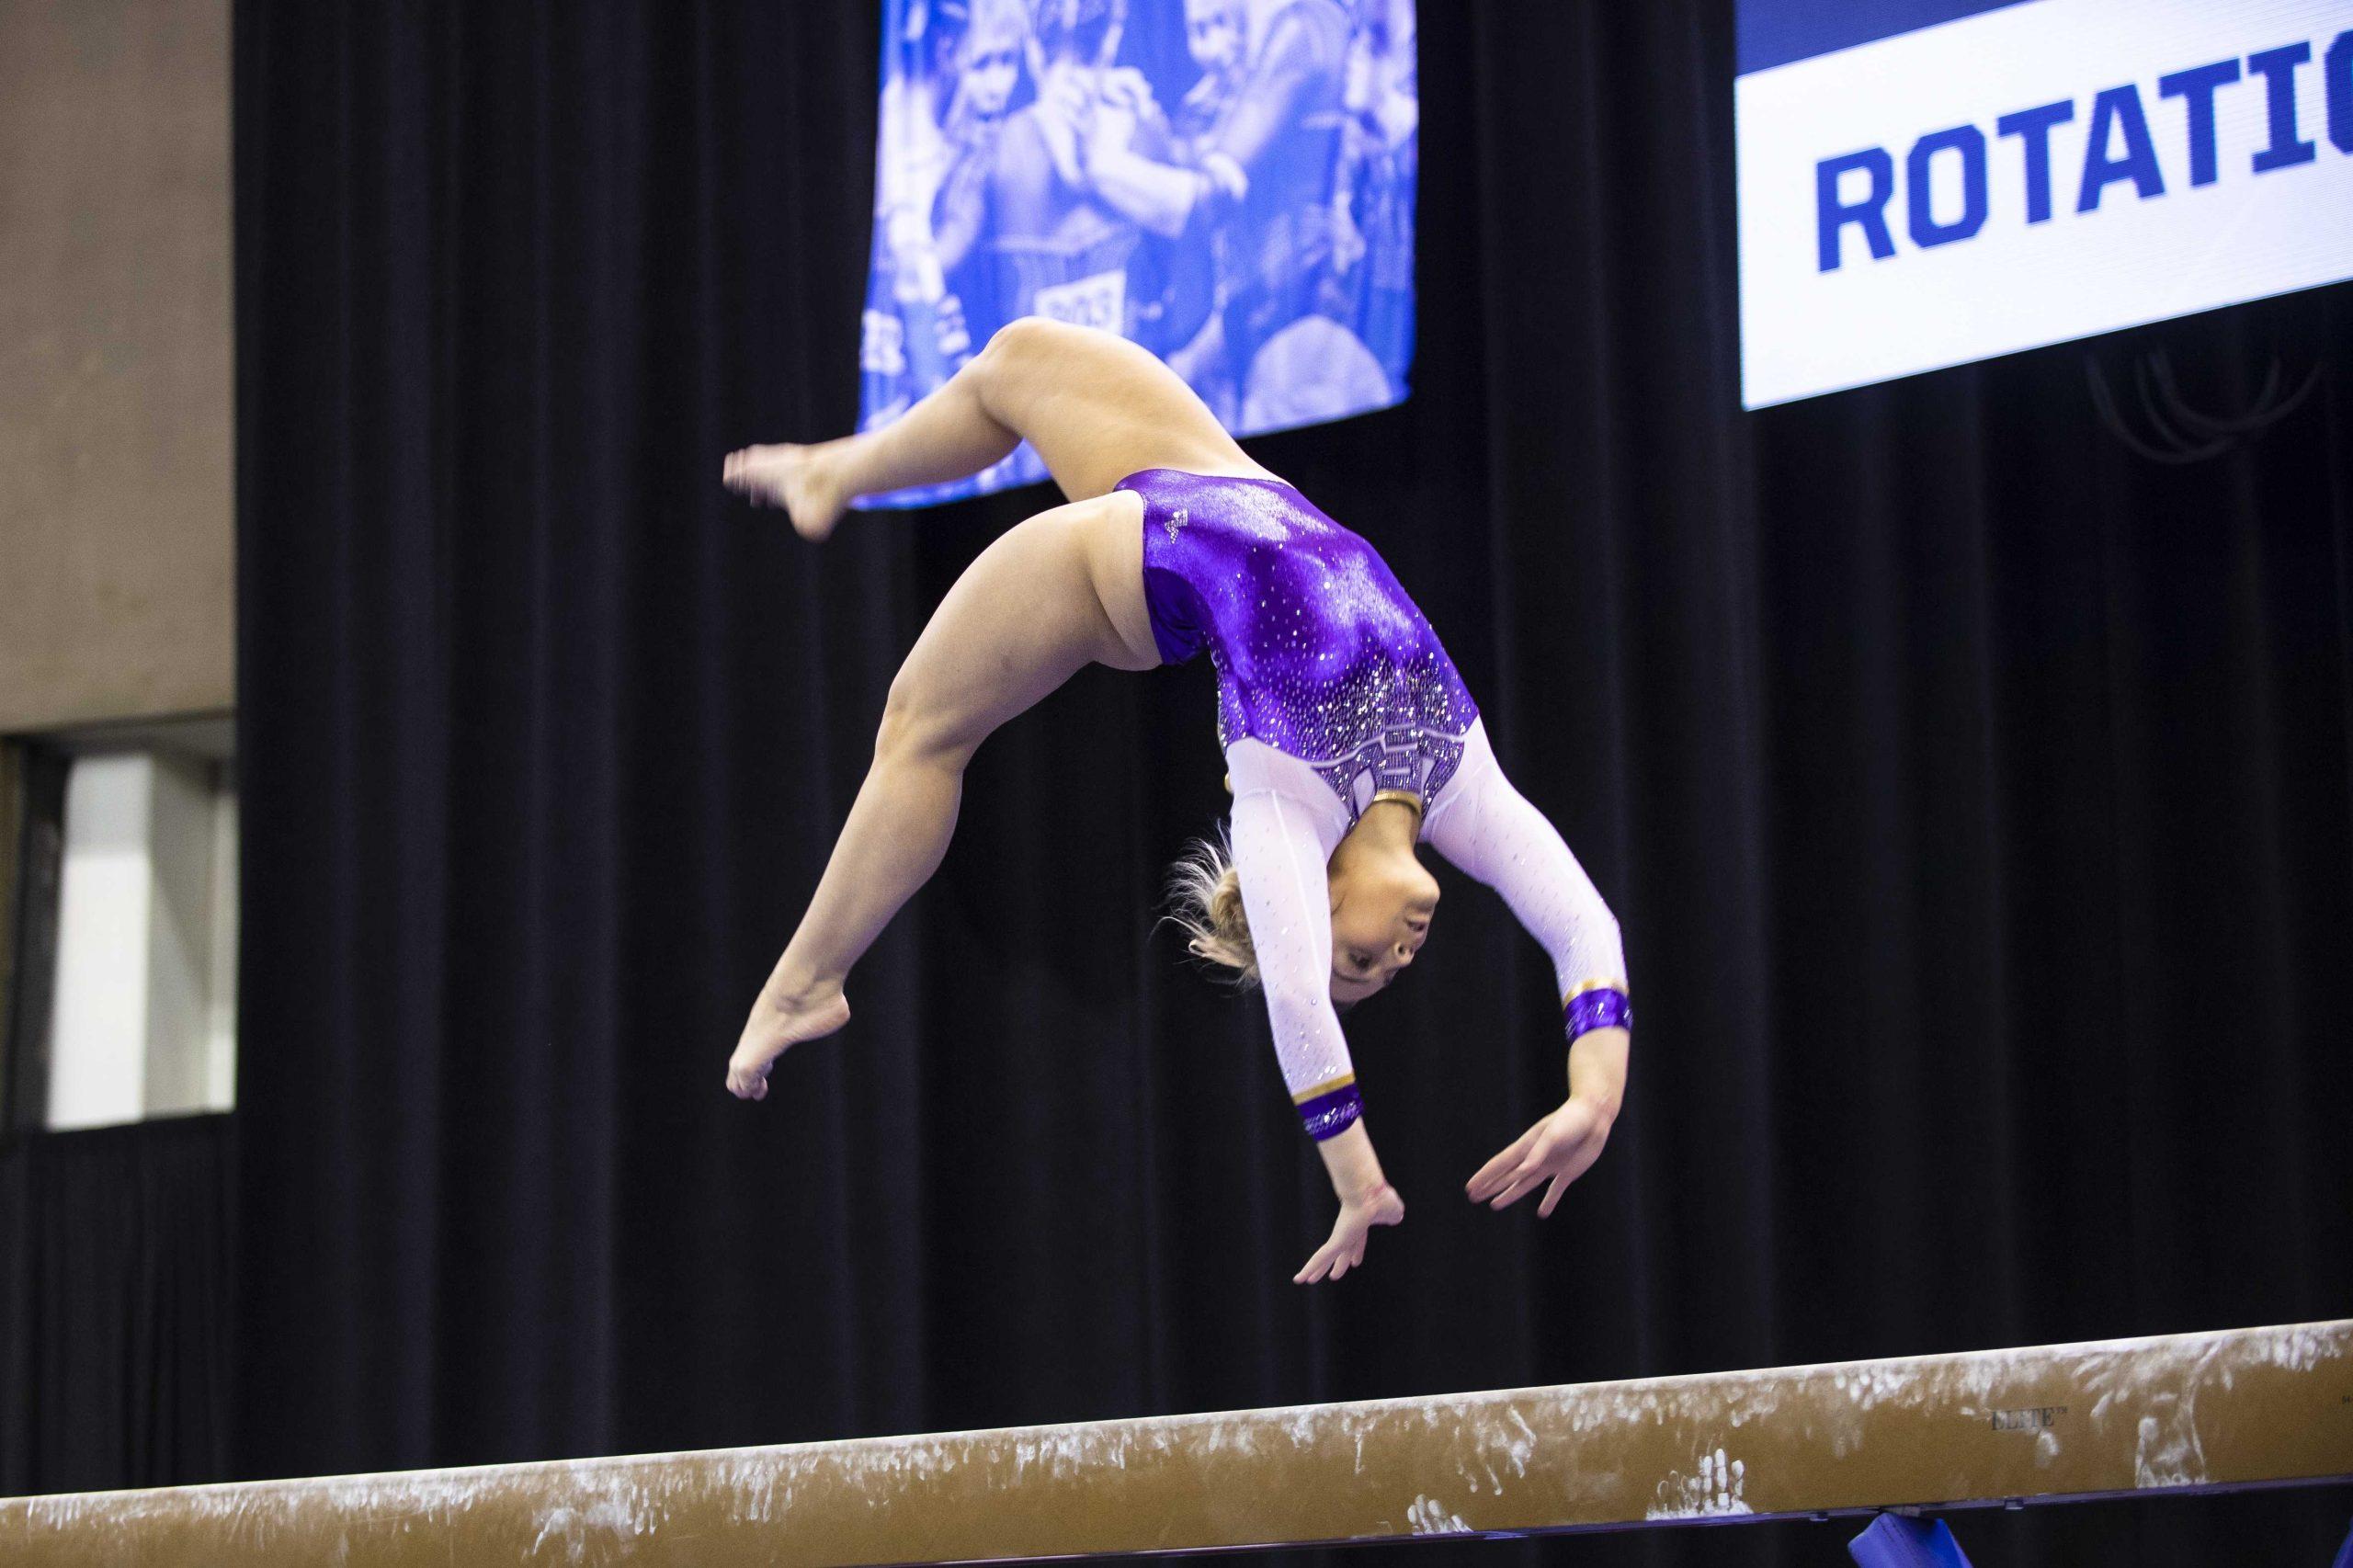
[[1833, 213], [2118, 148], [2032, 127], [2277, 66], [2195, 89], [2119, 107], [2338, 68], [1969, 142]]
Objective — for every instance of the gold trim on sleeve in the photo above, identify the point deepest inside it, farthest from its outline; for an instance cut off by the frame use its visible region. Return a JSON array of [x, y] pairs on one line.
[[1329, 1085], [1583, 986]]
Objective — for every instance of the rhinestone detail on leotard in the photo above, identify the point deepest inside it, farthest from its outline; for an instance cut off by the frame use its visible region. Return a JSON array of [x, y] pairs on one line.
[[1318, 652]]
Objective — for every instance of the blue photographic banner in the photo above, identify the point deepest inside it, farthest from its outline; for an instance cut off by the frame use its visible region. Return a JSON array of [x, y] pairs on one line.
[[1229, 183]]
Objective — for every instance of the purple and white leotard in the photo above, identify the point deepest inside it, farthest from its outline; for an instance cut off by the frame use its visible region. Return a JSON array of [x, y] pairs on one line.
[[1332, 690]]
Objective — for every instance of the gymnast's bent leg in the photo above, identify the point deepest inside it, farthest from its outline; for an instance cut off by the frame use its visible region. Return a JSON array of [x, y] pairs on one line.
[[1095, 406], [1055, 593], [1024, 617]]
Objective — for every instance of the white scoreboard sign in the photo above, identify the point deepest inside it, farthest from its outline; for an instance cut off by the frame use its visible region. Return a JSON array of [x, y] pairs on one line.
[[1928, 182]]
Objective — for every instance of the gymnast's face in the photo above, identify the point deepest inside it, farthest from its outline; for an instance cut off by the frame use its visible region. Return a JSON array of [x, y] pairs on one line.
[[1383, 901]]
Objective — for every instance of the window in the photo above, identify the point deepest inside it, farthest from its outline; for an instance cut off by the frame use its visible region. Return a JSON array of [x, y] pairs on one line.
[[120, 978]]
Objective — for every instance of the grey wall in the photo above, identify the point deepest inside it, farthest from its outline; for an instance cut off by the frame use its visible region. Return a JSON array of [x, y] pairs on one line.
[[116, 524]]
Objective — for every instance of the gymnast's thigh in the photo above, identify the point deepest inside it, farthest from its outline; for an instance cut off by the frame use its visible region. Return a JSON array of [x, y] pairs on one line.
[[1099, 408], [1113, 529], [1024, 617]]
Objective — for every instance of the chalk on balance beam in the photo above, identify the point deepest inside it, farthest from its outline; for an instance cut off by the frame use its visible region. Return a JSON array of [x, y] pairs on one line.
[[2184, 1413]]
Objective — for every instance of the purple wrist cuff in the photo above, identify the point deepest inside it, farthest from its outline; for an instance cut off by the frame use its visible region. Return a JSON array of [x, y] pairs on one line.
[[1328, 1116], [1599, 1008]]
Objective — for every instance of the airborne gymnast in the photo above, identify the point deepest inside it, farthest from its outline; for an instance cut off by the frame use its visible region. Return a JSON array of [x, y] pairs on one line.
[[1348, 737]]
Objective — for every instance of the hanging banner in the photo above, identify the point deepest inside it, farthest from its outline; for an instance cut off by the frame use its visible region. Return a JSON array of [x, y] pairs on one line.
[[1928, 182], [1229, 183]]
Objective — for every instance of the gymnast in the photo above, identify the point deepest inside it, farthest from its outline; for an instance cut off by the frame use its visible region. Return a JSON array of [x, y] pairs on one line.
[[1348, 736]]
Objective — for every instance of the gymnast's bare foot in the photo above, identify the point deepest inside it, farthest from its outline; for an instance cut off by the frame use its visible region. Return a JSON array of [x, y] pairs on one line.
[[783, 1018], [805, 481]]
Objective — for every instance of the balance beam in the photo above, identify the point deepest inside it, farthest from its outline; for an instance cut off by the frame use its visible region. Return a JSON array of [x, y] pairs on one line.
[[2184, 1413]]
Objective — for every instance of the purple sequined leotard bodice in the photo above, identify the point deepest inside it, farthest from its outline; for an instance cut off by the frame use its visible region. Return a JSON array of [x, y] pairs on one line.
[[1318, 652]]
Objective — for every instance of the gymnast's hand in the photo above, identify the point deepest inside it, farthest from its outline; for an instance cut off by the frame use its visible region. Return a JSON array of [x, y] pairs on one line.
[[1560, 1147], [1381, 1206]]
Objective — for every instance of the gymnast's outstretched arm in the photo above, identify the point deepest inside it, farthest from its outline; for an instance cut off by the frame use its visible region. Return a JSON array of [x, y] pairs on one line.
[[1488, 828], [1280, 846]]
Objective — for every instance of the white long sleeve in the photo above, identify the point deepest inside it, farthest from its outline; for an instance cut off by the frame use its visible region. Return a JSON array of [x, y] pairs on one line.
[[1488, 829], [1286, 824]]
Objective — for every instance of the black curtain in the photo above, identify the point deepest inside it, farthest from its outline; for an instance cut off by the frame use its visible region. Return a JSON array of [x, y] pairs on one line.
[[1977, 796], [115, 1342]]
